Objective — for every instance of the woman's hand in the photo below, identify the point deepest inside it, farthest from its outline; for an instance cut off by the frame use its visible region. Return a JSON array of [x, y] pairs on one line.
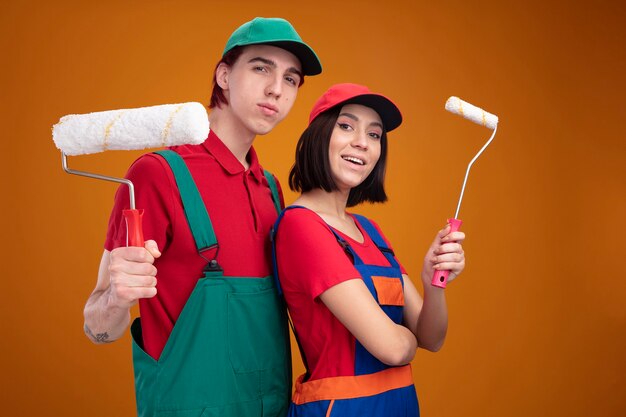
[[445, 253]]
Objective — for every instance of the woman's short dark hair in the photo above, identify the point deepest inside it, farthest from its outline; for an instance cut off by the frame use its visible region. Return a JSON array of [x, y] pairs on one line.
[[312, 168]]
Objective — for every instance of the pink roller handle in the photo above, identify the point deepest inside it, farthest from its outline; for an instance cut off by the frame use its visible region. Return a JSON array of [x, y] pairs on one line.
[[134, 228], [440, 278]]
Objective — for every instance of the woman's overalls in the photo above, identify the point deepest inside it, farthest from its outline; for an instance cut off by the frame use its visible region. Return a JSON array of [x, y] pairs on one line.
[[228, 353], [375, 389]]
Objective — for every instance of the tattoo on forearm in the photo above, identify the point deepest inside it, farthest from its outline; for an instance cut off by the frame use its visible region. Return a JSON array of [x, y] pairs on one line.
[[98, 338]]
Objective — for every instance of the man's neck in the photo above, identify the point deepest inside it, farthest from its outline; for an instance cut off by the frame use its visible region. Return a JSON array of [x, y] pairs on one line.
[[237, 138]]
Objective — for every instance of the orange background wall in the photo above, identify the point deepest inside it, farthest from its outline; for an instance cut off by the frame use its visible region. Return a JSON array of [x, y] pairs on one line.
[[537, 321]]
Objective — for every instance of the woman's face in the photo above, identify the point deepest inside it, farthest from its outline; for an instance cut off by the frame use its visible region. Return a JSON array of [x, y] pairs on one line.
[[355, 145]]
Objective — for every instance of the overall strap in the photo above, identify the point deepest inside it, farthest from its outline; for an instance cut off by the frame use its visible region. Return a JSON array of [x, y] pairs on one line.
[[273, 232], [195, 210], [378, 240], [274, 189]]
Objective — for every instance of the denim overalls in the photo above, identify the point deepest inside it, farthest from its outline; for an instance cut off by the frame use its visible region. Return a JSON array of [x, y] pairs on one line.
[[375, 389]]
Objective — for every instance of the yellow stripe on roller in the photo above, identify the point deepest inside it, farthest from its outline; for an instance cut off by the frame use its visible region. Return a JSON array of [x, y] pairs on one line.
[[461, 108], [484, 119], [107, 130], [168, 125]]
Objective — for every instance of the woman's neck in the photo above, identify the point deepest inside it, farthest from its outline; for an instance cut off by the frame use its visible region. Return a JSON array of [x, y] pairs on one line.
[[322, 202], [331, 207]]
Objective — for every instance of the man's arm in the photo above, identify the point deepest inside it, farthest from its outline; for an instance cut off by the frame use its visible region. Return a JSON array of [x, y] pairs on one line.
[[126, 274]]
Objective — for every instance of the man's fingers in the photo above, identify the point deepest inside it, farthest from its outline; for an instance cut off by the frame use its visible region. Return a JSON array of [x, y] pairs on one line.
[[133, 281], [127, 289], [130, 295], [132, 274], [151, 246], [132, 268], [131, 254]]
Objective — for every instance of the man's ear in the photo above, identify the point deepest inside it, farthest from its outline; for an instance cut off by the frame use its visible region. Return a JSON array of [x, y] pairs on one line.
[[222, 72]]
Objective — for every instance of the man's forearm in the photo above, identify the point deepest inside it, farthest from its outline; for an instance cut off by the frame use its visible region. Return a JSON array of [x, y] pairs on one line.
[[104, 323]]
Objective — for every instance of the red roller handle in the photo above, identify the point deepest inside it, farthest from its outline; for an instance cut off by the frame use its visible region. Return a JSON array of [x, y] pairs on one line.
[[440, 278], [134, 229]]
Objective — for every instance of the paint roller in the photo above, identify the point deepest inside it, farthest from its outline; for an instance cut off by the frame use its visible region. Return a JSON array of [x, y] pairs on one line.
[[477, 115], [129, 129]]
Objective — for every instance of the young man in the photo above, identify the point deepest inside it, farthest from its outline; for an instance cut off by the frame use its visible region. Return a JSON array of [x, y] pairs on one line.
[[212, 334]]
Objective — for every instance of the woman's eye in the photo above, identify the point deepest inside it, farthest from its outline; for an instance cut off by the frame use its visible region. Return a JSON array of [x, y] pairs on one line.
[[344, 126], [375, 135]]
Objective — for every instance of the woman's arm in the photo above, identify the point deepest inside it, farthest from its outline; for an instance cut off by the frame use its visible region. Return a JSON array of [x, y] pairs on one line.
[[353, 305], [427, 318]]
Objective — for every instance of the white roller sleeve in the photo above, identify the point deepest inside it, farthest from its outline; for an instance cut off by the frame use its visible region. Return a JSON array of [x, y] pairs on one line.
[[131, 129], [471, 112]]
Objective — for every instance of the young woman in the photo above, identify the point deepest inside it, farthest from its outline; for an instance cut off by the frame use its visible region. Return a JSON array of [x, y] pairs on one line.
[[357, 316]]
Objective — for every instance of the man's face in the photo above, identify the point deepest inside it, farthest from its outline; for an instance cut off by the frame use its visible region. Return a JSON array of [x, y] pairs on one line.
[[261, 86]]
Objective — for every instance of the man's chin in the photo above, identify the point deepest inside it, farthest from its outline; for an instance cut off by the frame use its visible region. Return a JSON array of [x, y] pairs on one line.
[[264, 129]]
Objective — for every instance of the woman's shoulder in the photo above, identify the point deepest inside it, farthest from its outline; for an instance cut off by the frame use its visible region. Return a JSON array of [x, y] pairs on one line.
[[302, 221], [300, 216]]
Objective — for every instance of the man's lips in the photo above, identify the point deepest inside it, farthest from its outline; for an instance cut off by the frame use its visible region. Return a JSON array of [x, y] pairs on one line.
[[268, 109]]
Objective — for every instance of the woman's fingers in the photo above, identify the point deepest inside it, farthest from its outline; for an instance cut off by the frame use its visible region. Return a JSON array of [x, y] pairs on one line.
[[448, 248], [453, 237]]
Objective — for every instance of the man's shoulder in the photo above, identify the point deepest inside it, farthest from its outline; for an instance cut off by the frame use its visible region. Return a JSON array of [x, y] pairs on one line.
[[188, 153], [147, 165]]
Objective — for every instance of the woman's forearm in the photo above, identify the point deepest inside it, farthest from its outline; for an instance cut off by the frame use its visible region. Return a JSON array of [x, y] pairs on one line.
[[432, 324]]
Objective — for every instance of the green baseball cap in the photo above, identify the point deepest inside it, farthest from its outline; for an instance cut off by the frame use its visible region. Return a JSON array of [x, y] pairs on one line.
[[276, 32]]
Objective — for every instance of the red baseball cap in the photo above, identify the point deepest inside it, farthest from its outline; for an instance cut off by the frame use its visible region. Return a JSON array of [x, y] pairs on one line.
[[346, 93]]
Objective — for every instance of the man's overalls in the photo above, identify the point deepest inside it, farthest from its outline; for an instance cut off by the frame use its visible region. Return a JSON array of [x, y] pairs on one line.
[[229, 353], [375, 389]]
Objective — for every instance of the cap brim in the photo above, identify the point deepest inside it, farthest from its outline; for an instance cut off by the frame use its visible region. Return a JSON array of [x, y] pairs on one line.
[[311, 64], [386, 109]]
